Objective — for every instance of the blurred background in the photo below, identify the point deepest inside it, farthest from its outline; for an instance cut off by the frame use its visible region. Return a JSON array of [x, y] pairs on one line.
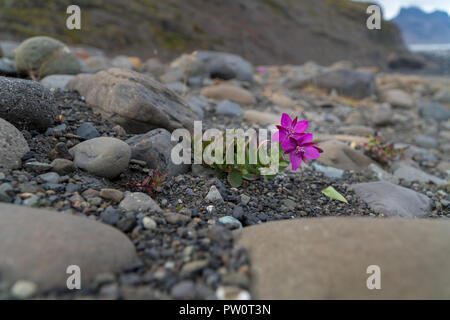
[[262, 31]]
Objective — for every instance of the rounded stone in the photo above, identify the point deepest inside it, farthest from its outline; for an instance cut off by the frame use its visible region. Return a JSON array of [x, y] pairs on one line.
[[42, 56], [104, 156], [27, 104], [39, 245]]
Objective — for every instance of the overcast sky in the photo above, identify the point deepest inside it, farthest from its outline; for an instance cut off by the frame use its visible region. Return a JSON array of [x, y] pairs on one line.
[[391, 7]]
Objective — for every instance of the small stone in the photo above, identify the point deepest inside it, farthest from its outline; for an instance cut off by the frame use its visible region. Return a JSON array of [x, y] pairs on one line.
[[245, 199], [183, 290], [192, 267], [23, 289], [229, 108], [139, 201], [38, 166], [50, 177], [230, 221], [329, 172], [232, 293], [111, 194], [214, 195], [149, 223], [63, 166], [87, 131], [110, 216]]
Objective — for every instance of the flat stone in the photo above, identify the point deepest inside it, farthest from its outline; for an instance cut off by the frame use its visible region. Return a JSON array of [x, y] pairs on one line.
[[229, 92], [63, 166], [214, 195], [39, 245], [327, 258], [397, 98], [329, 172], [87, 131], [411, 174], [392, 200]]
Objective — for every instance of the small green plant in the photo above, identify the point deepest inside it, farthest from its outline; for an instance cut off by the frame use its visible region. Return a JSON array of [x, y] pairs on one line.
[[151, 183], [381, 151], [250, 160]]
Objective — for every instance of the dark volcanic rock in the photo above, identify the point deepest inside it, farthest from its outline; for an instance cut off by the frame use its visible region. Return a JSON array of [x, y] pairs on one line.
[[26, 104]]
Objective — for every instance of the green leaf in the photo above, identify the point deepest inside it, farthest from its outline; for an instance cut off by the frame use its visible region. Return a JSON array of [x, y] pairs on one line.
[[331, 193], [235, 178], [250, 176]]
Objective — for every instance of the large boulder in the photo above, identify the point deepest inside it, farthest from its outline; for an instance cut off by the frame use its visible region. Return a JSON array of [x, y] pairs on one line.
[[133, 100], [39, 246], [215, 65], [155, 148], [392, 200], [42, 56], [328, 258], [13, 146], [27, 104], [103, 156], [352, 83]]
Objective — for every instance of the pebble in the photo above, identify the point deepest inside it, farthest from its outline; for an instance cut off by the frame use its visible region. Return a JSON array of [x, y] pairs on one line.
[[149, 223], [138, 201], [23, 289], [214, 195], [87, 131], [112, 194]]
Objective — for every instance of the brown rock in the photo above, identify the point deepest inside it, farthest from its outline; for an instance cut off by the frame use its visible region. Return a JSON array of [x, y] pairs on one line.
[[228, 92], [111, 194], [327, 258], [338, 155], [133, 100], [63, 166]]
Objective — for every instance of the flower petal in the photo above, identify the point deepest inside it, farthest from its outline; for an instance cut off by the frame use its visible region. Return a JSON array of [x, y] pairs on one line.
[[289, 145], [311, 153], [306, 138], [301, 126], [286, 121], [296, 161]]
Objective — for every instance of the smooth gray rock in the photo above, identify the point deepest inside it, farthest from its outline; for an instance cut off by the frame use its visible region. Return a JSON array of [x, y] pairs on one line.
[[56, 81], [39, 245], [392, 200], [426, 142], [229, 108], [329, 172], [327, 258], [27, 104], [215, 65], [353, 83], [411, 174], [104, 156], [155, 148], [435, 111], [13, 145]]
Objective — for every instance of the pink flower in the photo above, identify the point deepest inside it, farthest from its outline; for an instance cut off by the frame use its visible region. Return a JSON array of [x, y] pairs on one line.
[[289, 129], [261, 70], [301, 149]]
